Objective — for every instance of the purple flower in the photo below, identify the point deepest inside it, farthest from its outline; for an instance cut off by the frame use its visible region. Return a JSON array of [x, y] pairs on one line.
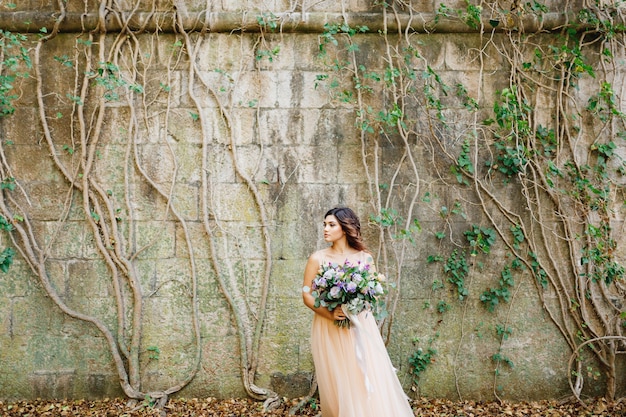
[[334, 292], [320, 282], [351, 287]]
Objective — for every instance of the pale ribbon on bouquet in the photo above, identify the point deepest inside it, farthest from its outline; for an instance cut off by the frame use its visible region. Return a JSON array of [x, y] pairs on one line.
[[359, 346]]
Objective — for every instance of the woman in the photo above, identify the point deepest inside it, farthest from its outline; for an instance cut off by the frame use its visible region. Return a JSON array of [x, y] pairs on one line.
[[354, 373]]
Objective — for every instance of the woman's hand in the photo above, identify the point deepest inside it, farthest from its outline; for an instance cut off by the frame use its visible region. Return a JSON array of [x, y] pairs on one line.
[[338, 314]]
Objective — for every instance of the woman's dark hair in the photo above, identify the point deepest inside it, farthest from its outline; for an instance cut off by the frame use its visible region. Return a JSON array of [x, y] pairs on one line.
[[350, 224]]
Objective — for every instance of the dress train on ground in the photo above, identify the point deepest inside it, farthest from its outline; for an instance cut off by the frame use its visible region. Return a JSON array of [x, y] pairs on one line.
[[354, 373]]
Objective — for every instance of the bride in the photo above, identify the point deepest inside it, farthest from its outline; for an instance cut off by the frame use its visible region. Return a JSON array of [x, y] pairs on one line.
[[354, 373]]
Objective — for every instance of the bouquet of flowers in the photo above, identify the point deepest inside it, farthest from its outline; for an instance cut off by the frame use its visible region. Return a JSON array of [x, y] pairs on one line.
[[351, 284]]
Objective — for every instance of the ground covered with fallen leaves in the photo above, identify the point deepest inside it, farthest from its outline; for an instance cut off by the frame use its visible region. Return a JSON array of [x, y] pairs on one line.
[[211, 407]]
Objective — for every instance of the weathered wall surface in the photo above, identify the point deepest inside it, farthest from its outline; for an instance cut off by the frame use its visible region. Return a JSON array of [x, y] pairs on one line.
[[202, 163]]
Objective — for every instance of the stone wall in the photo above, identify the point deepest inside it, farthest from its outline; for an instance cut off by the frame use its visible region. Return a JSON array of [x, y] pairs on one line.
[[218, 174]]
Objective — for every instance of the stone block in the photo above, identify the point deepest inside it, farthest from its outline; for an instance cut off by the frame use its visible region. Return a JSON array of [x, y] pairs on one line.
[[286, 281], [236, 204], [115, 128], [181, 129], [214, 315], [109, 175], [288, 209], [23, 159], [219, 354], [6, 316], [291, 89], [367, 50], [35, 315], [275, 52], [194, 234], [258, 164], [315, 164], [315, 94], [220, 167], [252, 89], [53, 384], [185, 200], [155, 240], [87, 279], [227, 54], [291, 385], [306, 48], [322, 126], [65, 239], [297, 246], [350, 157], [278, 355], [430, 50], [162, 53], [49, 207], [13, 136], [158, 165], [280, 127], [287, 317], [18, 281], [331, 6], [100, 386], [242, 131], [493, 83]]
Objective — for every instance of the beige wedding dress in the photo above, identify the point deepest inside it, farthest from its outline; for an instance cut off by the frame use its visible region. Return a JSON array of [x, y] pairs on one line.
[[354, 373]]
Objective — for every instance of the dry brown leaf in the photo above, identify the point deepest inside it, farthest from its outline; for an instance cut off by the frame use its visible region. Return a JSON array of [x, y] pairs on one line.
[[212, 407]]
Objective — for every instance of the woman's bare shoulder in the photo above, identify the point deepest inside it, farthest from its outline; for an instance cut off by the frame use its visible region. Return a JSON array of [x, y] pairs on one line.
[[366, 257], [365, 254]]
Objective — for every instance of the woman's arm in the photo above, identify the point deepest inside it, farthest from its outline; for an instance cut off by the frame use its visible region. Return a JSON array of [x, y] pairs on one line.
[[312, 266]]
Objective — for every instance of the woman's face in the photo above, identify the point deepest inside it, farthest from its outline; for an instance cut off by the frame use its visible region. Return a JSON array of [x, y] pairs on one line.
[[332, 229]]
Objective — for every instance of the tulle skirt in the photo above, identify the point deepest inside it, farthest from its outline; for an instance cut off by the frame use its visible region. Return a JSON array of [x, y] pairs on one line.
[[355, 376]]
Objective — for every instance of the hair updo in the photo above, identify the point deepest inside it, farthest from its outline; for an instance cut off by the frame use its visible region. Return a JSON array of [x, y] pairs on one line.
[[350, 224]]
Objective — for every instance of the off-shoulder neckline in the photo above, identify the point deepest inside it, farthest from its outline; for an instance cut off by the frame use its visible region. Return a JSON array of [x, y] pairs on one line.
[[362, 258]]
